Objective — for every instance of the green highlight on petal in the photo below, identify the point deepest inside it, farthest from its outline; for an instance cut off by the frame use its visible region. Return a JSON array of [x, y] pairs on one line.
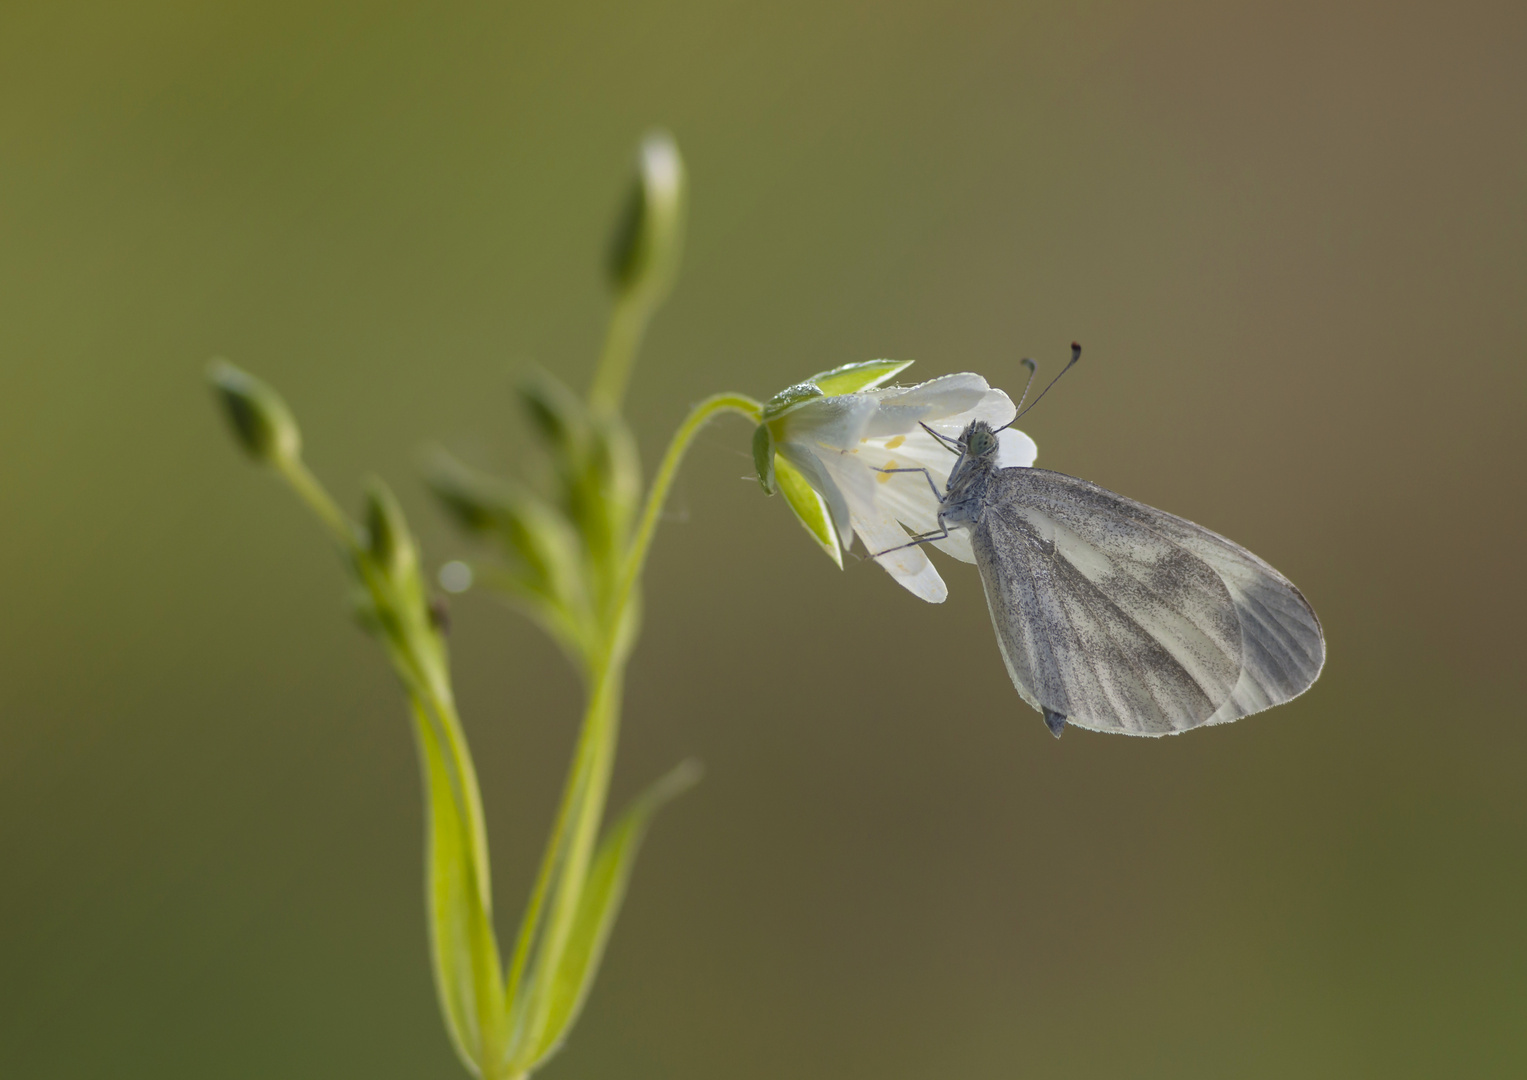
[[851, 378], [809, 507]]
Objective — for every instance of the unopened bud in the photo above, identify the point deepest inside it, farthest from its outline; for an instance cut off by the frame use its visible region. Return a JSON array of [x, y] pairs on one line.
[[558, 414], [262, 423], [387, 537], [645, 251]]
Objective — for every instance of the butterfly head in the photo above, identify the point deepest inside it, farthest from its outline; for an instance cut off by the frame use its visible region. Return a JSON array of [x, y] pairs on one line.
[[979, 439]]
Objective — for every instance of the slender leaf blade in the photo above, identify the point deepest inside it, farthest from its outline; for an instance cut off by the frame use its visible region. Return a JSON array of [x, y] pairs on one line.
[[603, 890], [464, 950]]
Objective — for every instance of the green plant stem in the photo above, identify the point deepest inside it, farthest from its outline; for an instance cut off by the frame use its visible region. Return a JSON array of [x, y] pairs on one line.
[[589, 784], [600, 713], [628, 322], [310, 491], [419, 659], [575, 829], [667, 471]]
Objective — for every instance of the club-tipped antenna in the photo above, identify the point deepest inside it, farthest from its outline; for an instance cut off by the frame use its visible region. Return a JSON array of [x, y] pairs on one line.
[[1076, 354], [1033, 370]]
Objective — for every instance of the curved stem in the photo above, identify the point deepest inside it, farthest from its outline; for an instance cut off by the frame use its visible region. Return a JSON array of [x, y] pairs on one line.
[[636, 554]]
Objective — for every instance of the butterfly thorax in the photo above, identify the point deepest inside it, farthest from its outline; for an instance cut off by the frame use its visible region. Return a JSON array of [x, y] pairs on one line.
[[965, 493]]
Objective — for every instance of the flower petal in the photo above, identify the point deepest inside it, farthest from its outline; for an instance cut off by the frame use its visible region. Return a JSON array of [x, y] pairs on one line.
[[844, 445], [880, 532], [910, 566], [838, 422], [809, 465], [1015, 450]]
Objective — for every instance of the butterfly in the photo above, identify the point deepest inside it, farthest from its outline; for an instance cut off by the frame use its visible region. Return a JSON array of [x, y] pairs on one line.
[[1115, 616]]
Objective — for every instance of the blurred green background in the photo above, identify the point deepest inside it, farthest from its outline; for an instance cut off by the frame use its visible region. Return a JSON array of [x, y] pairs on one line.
[[1292, 238]]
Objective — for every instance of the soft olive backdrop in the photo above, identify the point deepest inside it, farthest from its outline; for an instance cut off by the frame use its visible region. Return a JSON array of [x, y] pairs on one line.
[[1292, 240]]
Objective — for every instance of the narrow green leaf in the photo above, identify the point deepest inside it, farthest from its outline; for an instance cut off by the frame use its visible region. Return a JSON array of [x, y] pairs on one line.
[[603, 891], [809, 507], [465, 952], [851, 378]]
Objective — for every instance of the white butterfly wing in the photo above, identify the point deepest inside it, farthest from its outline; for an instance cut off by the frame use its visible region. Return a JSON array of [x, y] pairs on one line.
[[1124, 618]]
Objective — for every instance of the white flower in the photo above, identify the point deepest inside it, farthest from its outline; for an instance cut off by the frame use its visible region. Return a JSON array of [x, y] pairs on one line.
[[842, 445]]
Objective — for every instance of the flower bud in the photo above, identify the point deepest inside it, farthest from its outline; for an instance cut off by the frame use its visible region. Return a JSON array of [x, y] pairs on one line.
[[644, 253], [478, 503], [262, 423], [388, 540], [559, 416]]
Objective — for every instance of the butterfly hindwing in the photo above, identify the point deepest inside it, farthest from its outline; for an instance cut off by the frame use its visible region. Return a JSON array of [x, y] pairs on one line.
[[1282, 644], [1127, 619]]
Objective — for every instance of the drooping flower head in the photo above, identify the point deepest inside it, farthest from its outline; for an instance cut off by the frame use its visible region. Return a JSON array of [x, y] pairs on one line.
[[837, 444]]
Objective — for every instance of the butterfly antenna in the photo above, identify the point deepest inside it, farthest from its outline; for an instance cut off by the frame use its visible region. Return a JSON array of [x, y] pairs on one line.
[[954, 446], [1076, 354], [1033, 370]]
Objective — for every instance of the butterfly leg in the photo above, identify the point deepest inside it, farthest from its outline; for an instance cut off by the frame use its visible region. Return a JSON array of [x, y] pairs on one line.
[[952, 445], [918, 538], [941, 533], [937, 494], [1055, 722]]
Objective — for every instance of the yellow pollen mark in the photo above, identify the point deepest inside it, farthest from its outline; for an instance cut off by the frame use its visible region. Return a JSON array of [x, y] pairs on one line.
[[885, 476], [894, 443]]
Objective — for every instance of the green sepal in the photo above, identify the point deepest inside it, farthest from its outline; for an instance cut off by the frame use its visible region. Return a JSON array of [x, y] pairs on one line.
[[789, 398], [809, 507], [851, 378], [603, 890], [763, 457]]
